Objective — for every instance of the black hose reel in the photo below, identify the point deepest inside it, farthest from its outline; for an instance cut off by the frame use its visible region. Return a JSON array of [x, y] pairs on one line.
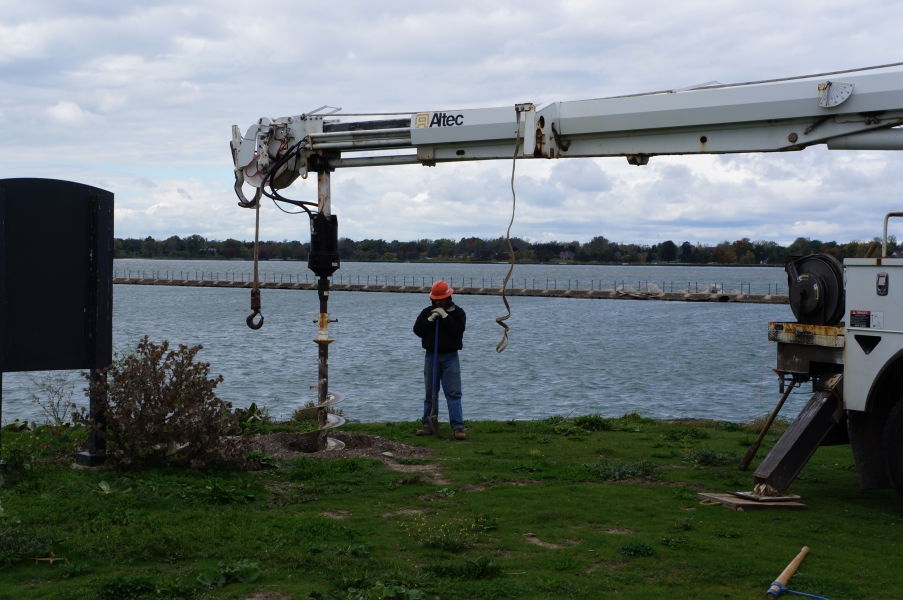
[[816, 289]]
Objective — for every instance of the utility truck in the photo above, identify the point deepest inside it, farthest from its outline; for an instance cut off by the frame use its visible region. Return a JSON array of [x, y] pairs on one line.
[[847, 340]]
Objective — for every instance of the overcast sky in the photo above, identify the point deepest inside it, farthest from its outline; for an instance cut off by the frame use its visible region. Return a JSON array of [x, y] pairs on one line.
[[138, 98]]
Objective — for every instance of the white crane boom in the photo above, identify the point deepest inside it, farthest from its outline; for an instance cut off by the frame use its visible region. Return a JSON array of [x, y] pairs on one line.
[[854, 111]]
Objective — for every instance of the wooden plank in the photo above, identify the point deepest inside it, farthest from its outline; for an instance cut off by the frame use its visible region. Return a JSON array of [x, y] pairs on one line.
[[737, 503]]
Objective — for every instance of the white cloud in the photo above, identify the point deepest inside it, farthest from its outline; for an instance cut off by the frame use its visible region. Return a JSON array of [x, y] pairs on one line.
[[71, 114], [140, 98]]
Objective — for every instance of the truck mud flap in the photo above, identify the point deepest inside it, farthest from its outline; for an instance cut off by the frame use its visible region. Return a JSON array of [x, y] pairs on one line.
[[866, 436], [788, 457]]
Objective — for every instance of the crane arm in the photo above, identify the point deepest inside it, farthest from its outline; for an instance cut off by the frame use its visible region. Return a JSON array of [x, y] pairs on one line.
[[853, 112]]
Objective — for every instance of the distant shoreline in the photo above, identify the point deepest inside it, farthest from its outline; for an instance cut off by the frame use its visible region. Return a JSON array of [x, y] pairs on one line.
[[466, 262]]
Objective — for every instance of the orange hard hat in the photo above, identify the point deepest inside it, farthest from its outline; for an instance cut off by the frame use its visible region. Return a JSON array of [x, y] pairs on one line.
[[440, 290]]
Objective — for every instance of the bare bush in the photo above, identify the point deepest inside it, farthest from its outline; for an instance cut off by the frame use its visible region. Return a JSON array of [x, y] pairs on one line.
[[54, 395], [159, 406]]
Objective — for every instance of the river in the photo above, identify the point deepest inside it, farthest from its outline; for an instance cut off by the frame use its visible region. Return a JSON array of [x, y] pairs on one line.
[[566, 356]]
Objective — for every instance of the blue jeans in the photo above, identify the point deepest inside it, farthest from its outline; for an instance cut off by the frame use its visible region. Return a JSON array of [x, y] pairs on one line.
[[450, 382]]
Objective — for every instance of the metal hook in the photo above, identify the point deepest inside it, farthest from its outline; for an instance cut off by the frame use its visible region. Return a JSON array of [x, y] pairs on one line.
[[250, 319], [255, 306]]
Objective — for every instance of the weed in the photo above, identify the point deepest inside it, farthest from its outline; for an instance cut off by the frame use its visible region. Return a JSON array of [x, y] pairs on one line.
[[778, 427], [218, 493], [683, 434], [554, 420], [636, 418], [447, 536], [620, 471], [728, 426], [685, 494], [124, 588], [446, 493], [709, 458], [565, 563], [175, 587], [489, 452], [635, 550], [745, 442], [249, 418], [534, 454], [675, 542], [259, 456], [482, 523], [241, 571], [18, 542], [683, 523], [594, 422], [571, 431], [817, 528], [728, 533], [470, 569], [54, 396]]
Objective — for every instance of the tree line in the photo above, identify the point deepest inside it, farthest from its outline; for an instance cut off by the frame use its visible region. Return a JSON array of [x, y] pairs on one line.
[[597, 250]]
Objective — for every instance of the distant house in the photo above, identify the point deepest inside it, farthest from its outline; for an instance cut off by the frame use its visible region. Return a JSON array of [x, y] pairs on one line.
[[209, 250], [566, 255]]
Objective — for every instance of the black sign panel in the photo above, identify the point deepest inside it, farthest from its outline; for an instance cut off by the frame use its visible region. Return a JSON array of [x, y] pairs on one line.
[[56, 284]]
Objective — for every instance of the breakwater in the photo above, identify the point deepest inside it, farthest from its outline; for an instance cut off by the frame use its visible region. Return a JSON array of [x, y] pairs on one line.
[[618, 294]]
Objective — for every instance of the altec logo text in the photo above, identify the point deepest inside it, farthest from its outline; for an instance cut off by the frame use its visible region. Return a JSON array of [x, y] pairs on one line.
[[437, 120]]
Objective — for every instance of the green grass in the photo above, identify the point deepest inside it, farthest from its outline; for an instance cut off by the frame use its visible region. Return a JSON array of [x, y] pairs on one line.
[[611, 500]]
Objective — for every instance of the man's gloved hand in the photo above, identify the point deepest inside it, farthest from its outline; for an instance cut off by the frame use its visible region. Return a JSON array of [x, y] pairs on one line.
[[437, 312]]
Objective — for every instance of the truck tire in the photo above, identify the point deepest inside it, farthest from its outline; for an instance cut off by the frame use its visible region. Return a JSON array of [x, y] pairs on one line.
[[893, 449]]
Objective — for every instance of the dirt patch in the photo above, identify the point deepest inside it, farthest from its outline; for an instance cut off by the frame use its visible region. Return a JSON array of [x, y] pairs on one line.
[[475, 487], [531, 537], [335, 514], [286, 446], [267, 596], [519, 481], [620, 531], [430, 472], [403, 511], [659, 483]]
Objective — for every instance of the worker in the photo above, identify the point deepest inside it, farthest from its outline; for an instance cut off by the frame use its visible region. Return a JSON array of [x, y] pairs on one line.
[[452, 321]]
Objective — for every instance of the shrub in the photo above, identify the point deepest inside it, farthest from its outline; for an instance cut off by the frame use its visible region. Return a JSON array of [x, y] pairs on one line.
[[594, 422], [159, 407]]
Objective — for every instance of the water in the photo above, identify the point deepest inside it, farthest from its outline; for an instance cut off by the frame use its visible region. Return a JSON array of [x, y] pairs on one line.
[[752, 280], [663, 359]]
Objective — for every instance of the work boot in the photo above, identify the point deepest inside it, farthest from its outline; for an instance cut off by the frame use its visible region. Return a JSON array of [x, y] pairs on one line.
[[459, 434], [424, 431]]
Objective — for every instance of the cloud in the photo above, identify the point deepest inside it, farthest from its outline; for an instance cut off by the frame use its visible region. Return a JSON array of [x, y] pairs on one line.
[[71, 114], [140, 97]]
